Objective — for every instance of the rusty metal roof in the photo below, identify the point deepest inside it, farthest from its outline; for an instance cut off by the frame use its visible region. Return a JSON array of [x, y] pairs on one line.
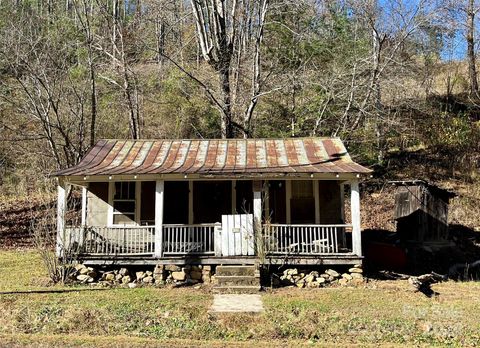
[[222, 156]]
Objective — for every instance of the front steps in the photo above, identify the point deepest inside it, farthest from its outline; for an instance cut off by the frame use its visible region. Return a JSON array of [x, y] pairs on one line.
[[237, 280]]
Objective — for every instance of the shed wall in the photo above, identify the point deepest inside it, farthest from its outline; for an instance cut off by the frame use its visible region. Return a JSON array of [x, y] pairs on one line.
[[421, 215]]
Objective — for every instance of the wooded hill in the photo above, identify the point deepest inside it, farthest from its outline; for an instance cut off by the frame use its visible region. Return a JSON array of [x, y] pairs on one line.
[[380, 75]]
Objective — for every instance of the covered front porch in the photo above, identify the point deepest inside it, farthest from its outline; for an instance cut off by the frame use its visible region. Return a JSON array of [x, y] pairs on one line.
[[214, 201], [215, 221]]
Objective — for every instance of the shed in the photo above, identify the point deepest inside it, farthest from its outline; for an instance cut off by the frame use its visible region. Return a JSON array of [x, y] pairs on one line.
[[421, 211]]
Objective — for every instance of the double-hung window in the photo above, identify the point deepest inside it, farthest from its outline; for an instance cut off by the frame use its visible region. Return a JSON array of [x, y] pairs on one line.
[[124, 203]]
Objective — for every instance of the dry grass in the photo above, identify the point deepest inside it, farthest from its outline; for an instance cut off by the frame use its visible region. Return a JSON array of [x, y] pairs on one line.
[[387, 313], [49, 341], [463, 209]]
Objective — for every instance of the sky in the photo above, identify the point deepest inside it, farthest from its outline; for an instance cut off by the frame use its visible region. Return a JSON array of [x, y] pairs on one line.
[[454, 49]]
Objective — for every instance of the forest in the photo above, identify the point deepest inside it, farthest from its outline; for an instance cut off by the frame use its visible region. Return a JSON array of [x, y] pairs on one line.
[[394, 79]]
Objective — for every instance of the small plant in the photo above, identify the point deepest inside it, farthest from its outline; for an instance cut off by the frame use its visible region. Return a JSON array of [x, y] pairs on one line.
[[58, 255]]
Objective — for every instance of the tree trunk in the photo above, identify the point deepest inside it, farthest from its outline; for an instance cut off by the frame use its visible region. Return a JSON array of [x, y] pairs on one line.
[[226, 122], [377, 97], [472, 71], [114, 29], [93, 96], [160, 31]]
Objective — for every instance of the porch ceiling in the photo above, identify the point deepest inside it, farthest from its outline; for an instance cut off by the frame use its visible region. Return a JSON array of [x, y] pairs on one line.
[[221, 157]]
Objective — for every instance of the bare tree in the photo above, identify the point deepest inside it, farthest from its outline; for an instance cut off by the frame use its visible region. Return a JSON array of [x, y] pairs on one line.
[[126, 79], [392, 25], [84, 10], [224, 29], [44, 94], [460, 17], [472, 70]]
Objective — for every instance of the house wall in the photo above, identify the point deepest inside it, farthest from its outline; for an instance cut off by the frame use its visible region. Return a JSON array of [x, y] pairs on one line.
[[303, 208], [211, 199], [97, 204], [330, 201], [277, 206], [147, 203], [330, 196]]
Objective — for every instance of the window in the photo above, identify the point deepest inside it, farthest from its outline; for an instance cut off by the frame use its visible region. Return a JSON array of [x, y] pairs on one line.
[[124, 203]]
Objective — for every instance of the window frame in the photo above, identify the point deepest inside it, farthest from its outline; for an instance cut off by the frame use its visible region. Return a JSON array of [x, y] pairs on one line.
[[111, 200], [289, 196]]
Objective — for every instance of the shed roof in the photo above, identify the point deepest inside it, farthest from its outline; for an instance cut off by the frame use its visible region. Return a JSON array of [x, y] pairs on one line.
[[218, 156], [432, 188]]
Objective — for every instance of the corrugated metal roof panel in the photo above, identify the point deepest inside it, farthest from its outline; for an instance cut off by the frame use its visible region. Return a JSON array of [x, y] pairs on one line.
[[226, 156]]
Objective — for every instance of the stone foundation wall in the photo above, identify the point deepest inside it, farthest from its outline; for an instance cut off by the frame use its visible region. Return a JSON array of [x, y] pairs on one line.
[[175, 275], [316, 279], [161, 275]]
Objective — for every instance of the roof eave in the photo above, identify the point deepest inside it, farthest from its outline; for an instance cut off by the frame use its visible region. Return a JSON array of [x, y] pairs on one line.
[[219, 176]]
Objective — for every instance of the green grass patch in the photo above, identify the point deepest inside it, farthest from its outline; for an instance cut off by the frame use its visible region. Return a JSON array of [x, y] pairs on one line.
[[22, 270], [382, 312]]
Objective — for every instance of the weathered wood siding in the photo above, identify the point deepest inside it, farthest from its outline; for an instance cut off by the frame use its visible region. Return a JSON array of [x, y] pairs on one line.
[[408, 199], [421, 216], [97, 204], [237, 235]]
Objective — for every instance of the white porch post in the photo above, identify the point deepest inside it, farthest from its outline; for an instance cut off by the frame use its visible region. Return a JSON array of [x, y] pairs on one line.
[[84, 206], [61, 209], [355, 211], [159, 193], [257, 206]]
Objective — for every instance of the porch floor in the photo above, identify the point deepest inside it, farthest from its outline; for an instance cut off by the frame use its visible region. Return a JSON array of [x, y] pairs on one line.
[[334, 259]]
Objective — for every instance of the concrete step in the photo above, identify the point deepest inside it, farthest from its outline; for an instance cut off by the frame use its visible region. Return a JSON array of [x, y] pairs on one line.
[[237, 289], [236, 271], [237, 280]]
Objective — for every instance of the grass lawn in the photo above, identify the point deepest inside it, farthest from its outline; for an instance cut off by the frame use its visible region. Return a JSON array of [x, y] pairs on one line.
[[380, 313]]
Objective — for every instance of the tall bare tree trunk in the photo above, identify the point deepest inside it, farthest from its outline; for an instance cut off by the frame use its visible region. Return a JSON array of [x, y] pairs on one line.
[[226, 121], [160, 33], [472, 71], [114, 29], [377, 97], [93, 96], [256, 70]]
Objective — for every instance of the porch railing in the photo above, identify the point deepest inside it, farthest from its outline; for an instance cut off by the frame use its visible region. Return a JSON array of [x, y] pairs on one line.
[[203, 239], [112, 240], [304, 239], [190, 239]]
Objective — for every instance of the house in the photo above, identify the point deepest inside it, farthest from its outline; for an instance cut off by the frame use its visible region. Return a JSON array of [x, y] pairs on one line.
[[421, 212], [229, 201]]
